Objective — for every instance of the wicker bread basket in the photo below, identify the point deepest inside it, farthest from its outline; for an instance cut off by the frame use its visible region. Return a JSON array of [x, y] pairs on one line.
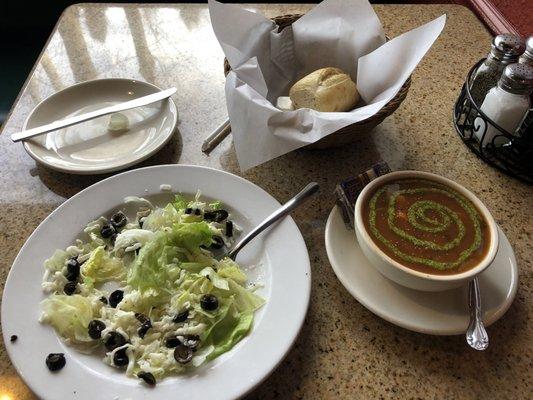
[[350, 133]]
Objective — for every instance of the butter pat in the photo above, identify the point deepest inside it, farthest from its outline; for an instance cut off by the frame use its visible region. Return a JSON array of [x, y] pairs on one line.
[[284, 103], [118, 122]]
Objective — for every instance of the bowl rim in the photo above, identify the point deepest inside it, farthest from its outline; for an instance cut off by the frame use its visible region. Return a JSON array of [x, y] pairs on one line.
[[493, 231]]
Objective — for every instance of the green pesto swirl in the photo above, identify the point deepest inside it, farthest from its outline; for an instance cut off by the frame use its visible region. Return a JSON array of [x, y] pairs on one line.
[[420, 221]]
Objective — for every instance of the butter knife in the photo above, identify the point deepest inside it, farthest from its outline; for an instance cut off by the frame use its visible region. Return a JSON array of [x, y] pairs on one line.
[[218, 135], [63, 123]]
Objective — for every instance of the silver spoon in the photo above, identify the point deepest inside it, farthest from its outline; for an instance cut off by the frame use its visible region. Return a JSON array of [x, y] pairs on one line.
[[285, 209], [476, 335]]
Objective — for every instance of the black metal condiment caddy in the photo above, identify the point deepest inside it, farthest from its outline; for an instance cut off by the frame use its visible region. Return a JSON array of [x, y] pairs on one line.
[[515, 157]]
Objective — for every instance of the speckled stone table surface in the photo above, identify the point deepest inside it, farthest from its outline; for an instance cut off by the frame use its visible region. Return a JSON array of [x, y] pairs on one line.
[[343, 351]]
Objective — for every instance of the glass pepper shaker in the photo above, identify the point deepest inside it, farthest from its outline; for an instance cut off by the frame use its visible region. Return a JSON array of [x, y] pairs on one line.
[[505, 50], [506, 104]]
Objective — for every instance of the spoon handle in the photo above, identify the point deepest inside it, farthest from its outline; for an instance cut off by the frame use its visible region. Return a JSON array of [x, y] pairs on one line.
[[476, 335], [307, 192]]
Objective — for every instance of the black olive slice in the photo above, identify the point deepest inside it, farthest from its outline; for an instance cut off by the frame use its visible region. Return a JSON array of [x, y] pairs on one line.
[[114, 340], [107, 231], [229, 228], [147, 377], [115, 298], [217, 243], [120, 358], [55, 361], [73, 269], [191, 341], [216, 215], [144, 328], [70, 288], [181, 317], [118, 220], [172, 341], [209, 302], [141, 318], [183, 354], [95, 329]]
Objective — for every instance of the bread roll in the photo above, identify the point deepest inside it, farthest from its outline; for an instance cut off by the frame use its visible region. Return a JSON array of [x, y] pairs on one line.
[[327, 89]]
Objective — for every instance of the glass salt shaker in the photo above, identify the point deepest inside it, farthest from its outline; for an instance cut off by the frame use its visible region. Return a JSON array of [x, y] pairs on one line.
[[527, 57], [505, 50], [506, 104]]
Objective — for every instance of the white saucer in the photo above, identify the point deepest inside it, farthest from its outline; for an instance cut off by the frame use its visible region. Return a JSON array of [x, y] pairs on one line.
[[89, 148], [437, 313]]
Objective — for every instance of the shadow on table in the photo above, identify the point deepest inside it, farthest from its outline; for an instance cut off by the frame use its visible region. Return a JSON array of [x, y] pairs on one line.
[[67, 185]]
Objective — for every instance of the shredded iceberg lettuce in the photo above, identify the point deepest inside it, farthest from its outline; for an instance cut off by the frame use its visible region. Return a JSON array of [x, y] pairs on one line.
[[153, 280], [101, 267], [70, 316]]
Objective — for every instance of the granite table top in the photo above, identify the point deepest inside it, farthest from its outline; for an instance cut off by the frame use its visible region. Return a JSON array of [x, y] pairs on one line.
[[343, 351]]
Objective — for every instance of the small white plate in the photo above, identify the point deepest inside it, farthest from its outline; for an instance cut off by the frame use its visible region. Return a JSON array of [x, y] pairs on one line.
[[89, 148], [281, 263], [436, 313]]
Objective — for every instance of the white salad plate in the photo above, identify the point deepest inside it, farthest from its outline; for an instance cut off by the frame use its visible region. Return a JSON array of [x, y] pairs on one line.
[[436, 313], [89, 147], [277, 259]]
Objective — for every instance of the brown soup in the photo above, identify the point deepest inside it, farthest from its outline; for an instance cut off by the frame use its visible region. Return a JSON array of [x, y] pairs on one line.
[[426, 226]]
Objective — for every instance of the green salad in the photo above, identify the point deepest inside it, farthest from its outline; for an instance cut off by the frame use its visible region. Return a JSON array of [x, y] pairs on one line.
[[149, 291]]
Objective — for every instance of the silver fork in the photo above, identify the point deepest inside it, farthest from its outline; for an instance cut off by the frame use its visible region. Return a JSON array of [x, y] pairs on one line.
[[285, 209]]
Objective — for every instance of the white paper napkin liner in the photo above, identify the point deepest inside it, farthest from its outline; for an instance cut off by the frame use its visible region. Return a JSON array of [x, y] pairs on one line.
[[261, 131], [337, 30], [403, 47]]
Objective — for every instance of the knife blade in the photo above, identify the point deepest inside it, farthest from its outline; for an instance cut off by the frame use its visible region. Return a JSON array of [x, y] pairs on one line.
[[63, 123]]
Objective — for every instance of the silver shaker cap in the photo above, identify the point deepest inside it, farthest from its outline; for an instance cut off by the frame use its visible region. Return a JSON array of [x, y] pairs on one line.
[[507, 47], [517, 78]]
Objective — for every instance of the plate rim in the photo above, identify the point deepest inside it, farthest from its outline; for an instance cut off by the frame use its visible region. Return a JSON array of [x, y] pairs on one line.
[[82, 171], [398, 321], [300, 319]]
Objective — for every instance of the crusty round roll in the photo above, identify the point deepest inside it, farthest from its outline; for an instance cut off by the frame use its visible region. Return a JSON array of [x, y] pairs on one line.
[[326, 89]]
